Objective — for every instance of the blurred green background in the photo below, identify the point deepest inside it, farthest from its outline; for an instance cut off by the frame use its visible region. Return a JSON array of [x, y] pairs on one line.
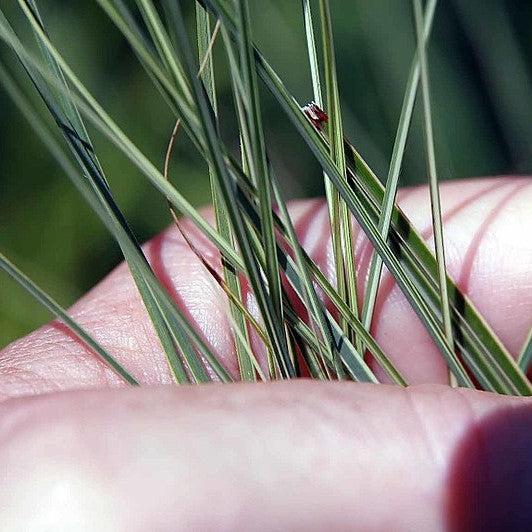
[[480, 54]]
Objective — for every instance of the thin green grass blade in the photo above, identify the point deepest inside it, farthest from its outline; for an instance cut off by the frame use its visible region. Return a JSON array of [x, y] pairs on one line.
[[239, 94], [392, 181], [46, 301], [341, 230], [79, 143], [120, 15], [255, 150], [312, 54], [164, 46], [242, 344], [526, 354], [75, 133], [331, 195], [313, 304], [228, 192], [437, 223], [62, 96], [172, 94]]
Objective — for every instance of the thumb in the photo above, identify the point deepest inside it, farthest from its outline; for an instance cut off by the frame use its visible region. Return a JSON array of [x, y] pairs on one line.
[[296, 456]]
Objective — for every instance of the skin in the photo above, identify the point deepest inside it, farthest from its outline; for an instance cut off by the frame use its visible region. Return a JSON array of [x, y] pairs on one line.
[[78, 450]]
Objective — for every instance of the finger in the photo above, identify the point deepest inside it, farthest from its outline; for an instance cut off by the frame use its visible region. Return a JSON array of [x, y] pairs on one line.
[[302, 456], [486, 255]]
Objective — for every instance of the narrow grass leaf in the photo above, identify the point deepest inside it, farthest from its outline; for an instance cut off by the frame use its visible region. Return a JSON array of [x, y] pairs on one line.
[[341, 229], [526, 354], [228, 192], [392, 181], [437, 223], [242, 343], [255, 149], [44, 299]]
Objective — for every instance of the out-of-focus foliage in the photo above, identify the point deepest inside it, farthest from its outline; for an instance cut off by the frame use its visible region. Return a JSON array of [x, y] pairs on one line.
[[480, 60]]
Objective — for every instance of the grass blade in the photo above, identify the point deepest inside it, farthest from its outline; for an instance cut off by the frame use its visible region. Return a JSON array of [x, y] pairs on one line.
[[392, 181], [45, 300], [228, 192], [242, 345], [312, 54], [437, 222], [341, 230], [255, 151], [526, 354]]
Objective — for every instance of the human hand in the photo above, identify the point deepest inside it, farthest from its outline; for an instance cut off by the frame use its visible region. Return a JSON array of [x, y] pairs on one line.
[[280, 456]]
